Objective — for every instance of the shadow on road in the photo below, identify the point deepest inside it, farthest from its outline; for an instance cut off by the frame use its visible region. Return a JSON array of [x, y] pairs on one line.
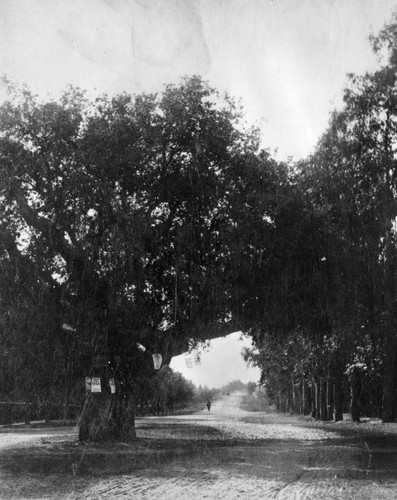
[[227, 450]]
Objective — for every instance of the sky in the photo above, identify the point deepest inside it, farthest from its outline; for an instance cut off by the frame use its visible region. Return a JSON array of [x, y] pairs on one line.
[[286, 60], [220, 364]]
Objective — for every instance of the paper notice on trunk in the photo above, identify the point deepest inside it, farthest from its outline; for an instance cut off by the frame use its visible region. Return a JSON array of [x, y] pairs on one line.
[[96, 384]]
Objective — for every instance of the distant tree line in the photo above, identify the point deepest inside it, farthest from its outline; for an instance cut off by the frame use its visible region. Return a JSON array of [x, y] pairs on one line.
[[234, 386]]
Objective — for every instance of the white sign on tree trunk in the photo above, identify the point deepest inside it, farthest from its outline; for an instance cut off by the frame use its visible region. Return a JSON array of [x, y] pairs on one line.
[[96, 384], [112, 385]]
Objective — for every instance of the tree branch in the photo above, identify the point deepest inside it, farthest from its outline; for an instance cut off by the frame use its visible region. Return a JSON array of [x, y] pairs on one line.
[[7, 241], [48, 229]]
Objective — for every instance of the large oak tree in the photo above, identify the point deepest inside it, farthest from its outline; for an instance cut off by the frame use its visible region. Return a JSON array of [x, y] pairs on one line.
[[149, 215]]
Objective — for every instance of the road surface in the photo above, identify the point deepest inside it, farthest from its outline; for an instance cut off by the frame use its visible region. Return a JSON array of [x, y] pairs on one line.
[[225, 453]]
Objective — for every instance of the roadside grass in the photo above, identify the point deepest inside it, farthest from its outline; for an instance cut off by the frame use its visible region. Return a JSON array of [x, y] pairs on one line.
[[255, 402]]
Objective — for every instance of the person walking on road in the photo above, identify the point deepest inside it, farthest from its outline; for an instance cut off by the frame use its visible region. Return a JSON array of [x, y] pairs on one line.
[[208, 404]]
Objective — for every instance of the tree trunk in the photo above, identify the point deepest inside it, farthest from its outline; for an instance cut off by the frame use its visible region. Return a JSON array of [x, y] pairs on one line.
[[314, 398], [107, 417], [389, 380], [318, 399], [323, 399], [306, 398], [355, 387], [292, 407], [330, 398], [286, 402], [338, 415], [303, 397], [279, 401]]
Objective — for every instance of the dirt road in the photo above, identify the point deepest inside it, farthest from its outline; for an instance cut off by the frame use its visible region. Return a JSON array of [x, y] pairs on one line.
[[224, 453]]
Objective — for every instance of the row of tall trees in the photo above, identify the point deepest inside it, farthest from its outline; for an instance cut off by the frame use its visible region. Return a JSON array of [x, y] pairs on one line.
[[335, 287]]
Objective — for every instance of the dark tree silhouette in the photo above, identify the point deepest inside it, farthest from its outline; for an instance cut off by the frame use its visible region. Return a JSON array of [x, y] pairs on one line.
[[147, 214]]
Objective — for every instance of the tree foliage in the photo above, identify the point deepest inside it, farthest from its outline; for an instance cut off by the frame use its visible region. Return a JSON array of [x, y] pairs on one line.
[[339, 270], [143, 216]]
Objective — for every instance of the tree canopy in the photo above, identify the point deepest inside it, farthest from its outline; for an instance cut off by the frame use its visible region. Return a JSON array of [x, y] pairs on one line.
[[340, 269], [144, 218]]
